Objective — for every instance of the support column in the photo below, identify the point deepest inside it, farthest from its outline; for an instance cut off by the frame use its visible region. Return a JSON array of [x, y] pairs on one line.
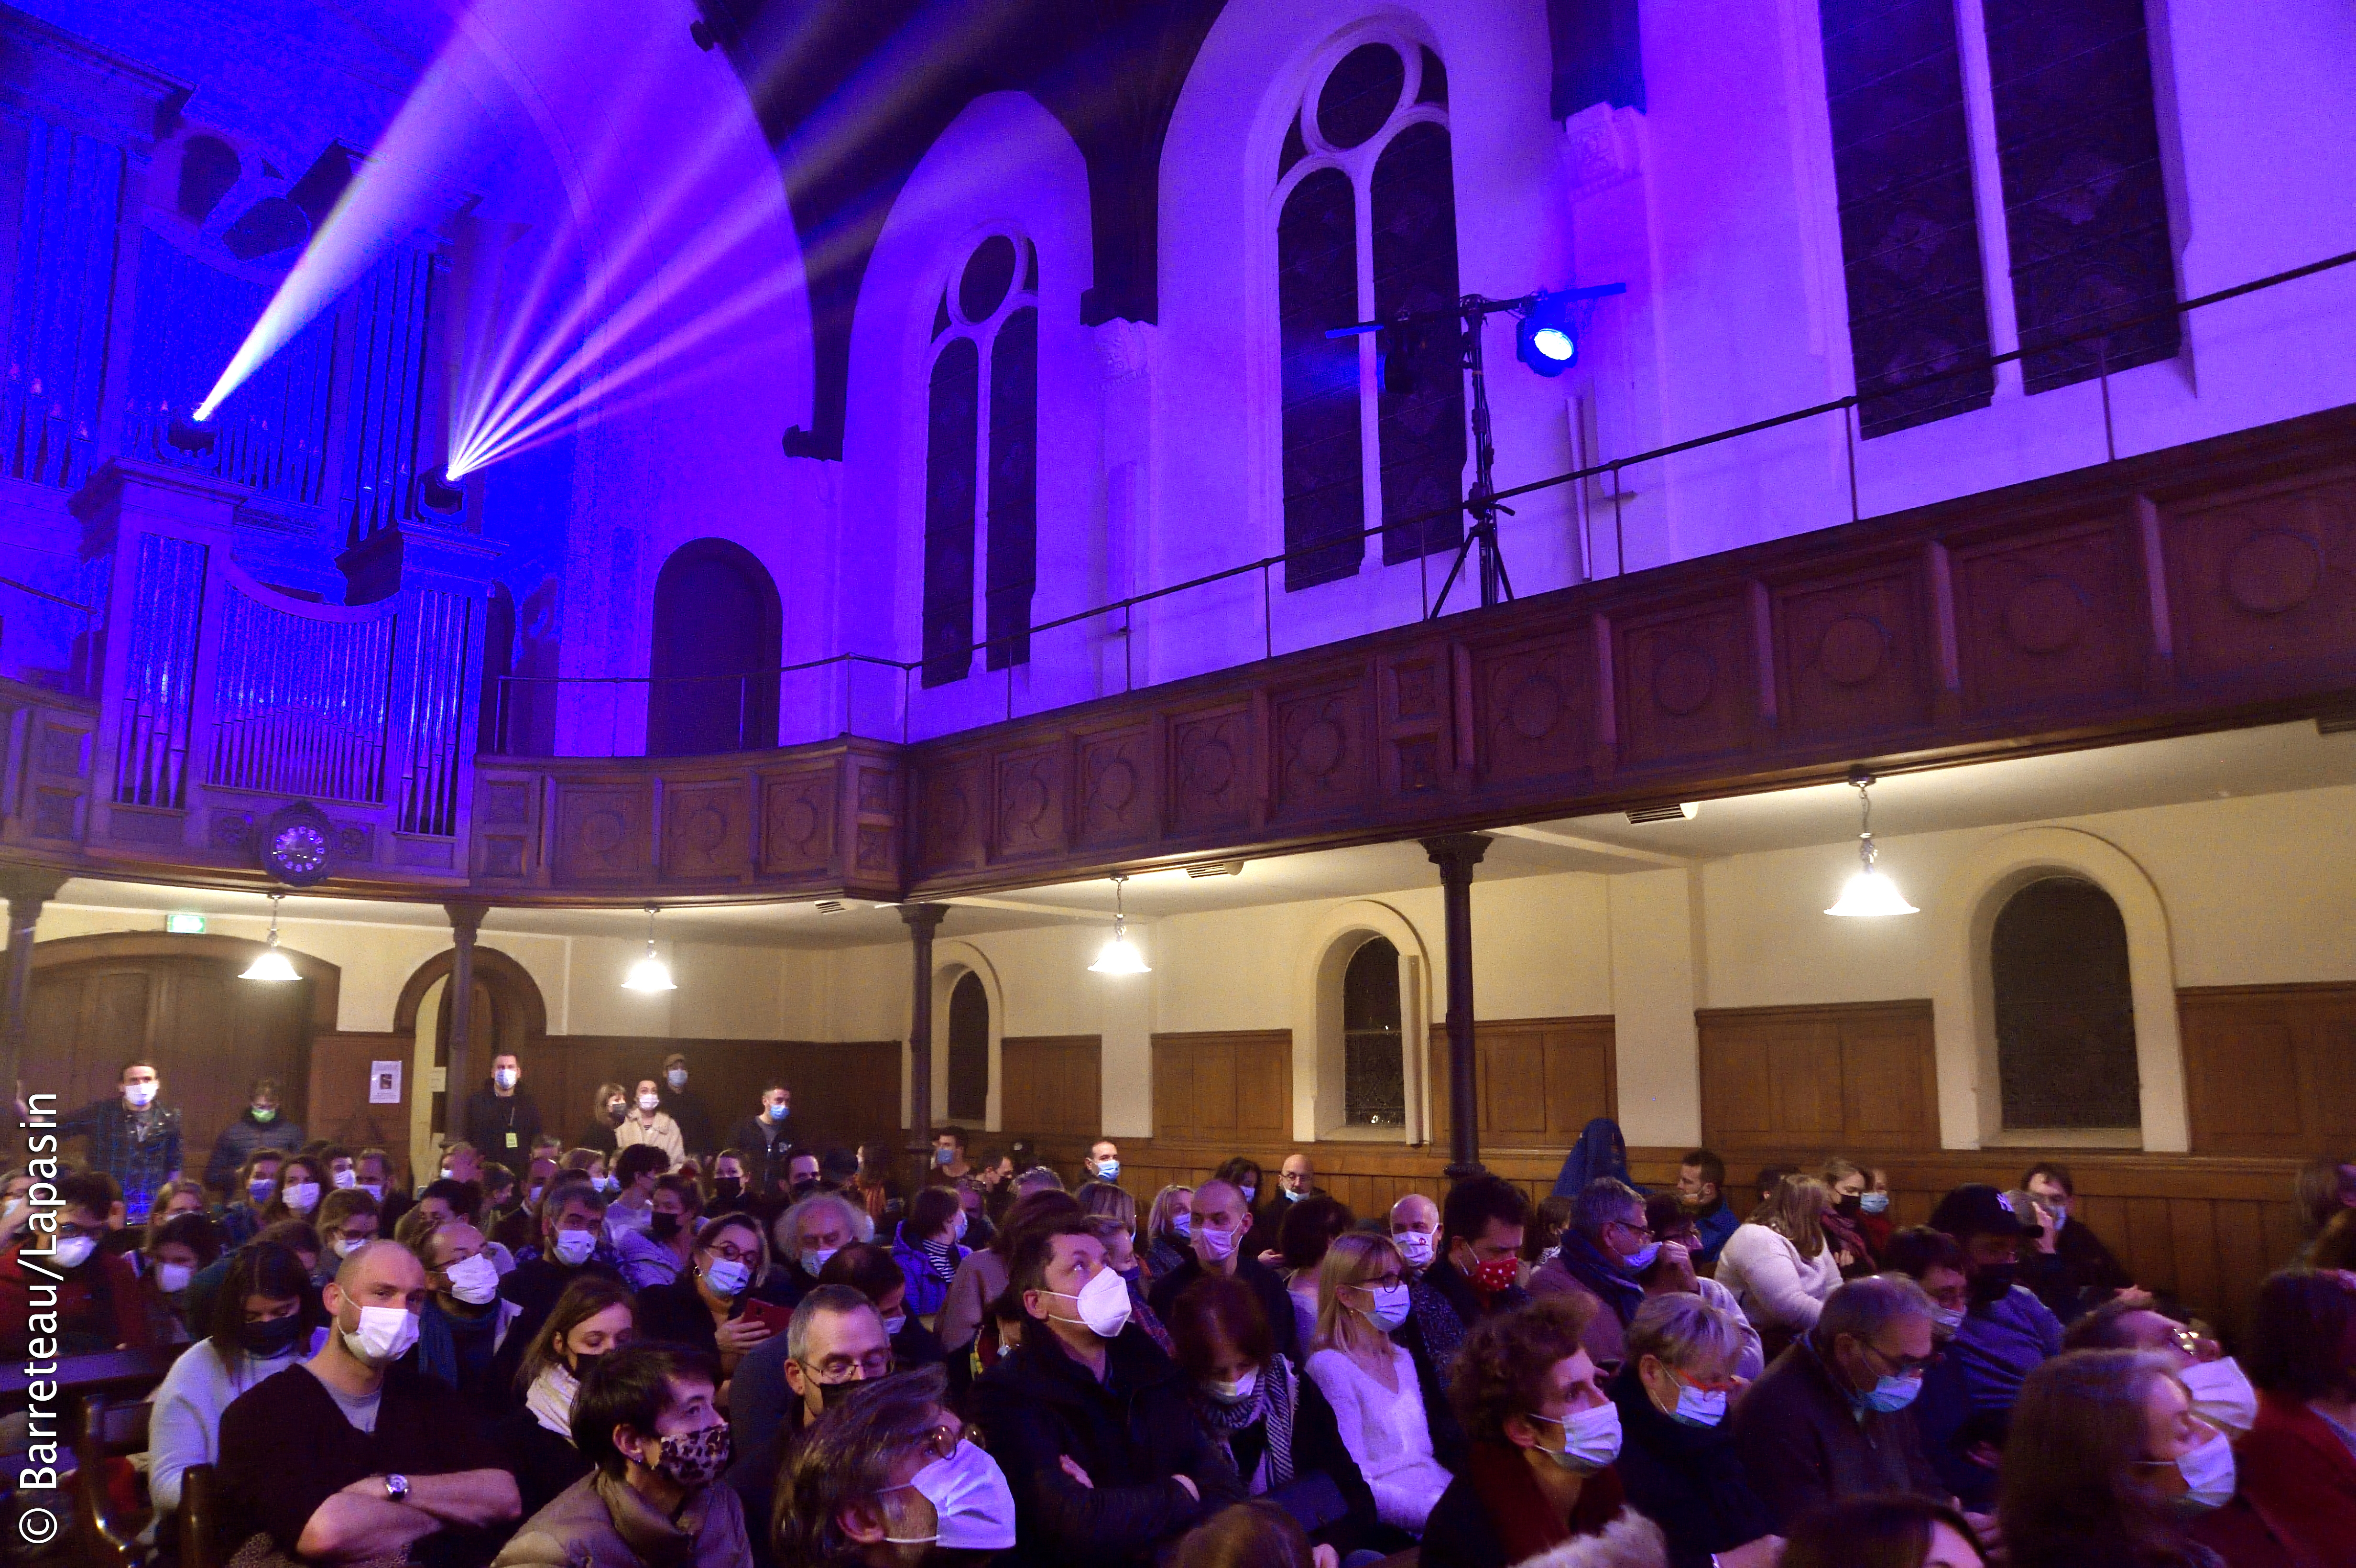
[[1456, 854], [26, 889], [923, 921], [458, 1075]]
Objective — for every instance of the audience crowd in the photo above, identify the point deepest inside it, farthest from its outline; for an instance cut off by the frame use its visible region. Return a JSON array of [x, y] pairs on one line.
[[639, 1348]]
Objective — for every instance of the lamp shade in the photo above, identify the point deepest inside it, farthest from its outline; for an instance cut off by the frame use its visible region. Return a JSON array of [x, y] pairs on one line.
[[1120, 956], [1871, 893], [649, 974], [270, 965]]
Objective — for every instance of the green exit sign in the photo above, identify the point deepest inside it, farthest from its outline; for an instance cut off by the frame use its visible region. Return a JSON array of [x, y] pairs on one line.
[[184, 924]]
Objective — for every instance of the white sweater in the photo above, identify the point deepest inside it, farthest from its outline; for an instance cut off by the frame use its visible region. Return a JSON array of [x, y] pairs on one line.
[[1776, 1287], [184, 1428], [1386, 1432]]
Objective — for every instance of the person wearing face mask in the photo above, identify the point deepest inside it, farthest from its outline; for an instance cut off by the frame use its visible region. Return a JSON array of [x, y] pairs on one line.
[[1607, 1245], [349, 1457], [1102, 1162], [648, 1124], [1296, 1179], [765, 1142], [1676, 1459], [465, 1322], [501, 1115], [1479, 1271], [593, 1316], [1779, 1263], [97, 1304], [870, 1270], [1701, 1193], [255, 1184], [2106, 1463], [1244, 1176], [1276, 1426], [705, 1306], [949, 1165], [302, 1182], [1672, 1273], [346, 1221], [608, 1108], [810, 1232], [647, 1419], [1220, 1223], [2221, 1393], [264, 1124], [1831, 1417], [929, 1245], [133, 1137], [889, 1480], [262, 1319], [2004, 1335], [1169, 1231], [1539, 1473], [658, 1254], [1308, 1230], [2297, 1463], [1089, 1419], [1370, 1380], [572, 1241], [684, 1107], [834, 1348], [1843, 1222], [175, 1250], [980, 1279]]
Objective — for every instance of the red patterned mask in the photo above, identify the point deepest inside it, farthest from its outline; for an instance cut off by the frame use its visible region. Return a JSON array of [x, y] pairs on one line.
[[1494, 1275]]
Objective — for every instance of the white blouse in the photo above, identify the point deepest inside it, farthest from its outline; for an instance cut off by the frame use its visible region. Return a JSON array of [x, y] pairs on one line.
[[1776, 1287], [1386, 1432]]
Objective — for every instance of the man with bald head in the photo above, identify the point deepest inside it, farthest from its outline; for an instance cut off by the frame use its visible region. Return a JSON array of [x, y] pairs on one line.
[[348, 1457], [1415, 1231], [1220, 1223]]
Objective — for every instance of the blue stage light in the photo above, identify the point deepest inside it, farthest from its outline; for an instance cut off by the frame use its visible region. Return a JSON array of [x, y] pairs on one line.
[[1548, 339]]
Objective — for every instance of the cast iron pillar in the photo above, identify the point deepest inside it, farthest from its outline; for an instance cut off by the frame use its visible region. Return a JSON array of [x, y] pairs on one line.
[[1456, 854], [458, 1073], [26, 889], [923, 921]]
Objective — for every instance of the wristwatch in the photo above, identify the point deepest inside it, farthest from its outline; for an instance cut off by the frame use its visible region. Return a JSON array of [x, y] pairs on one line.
[[396, 1489]]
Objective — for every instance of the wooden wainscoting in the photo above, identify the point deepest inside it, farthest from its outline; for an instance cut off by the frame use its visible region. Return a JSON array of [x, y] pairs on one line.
[[1536, 1081], [1856, 1075], [2271, 1070], [1051, 1086], [1223, 1087]]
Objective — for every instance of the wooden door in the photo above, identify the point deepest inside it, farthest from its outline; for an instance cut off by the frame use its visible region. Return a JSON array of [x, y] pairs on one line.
[[208, 1033]]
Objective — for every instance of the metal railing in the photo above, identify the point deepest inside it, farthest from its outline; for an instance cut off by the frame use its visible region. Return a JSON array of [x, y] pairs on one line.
[[628, 698]]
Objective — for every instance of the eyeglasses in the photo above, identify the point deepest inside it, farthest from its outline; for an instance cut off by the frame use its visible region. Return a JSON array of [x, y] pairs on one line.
[[1903, 1366], [942, 1441], [837, 1369], [732, 1252]]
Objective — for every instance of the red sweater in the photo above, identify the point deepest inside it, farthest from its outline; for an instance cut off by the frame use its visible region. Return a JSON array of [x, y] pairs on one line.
[[2299, 1478], [98, 1306]]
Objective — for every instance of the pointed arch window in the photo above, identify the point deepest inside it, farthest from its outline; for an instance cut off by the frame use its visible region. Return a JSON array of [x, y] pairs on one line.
[[982, 472], [1365, 227]]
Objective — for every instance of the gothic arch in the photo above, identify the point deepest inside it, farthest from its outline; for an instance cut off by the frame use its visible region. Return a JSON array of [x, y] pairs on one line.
[[1318, 1056]]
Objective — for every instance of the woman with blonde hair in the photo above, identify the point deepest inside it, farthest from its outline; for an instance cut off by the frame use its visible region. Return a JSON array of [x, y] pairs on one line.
[[1370, 1380], [1169, 1231], [1778, 1263], [1678, 1460]]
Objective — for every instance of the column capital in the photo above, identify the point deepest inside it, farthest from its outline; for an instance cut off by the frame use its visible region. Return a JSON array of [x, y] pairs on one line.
[[1457, 853], [33, 885], [466, 920], [923, 919]]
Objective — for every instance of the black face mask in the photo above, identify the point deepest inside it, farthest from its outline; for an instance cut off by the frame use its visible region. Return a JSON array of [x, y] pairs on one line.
[[274, 1338], [728, 1187], [831, 1394], [1992, 1282], [664, 1226], [806, 1186], [615, 1114], [1849, 1208]]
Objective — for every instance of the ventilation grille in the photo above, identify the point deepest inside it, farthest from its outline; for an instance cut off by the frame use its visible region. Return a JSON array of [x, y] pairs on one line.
[[831, 906], [1218, 869], [2340, 723], [1663, 814]]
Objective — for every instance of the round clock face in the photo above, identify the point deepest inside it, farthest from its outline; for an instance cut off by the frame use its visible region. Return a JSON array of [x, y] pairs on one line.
[[299, 849]]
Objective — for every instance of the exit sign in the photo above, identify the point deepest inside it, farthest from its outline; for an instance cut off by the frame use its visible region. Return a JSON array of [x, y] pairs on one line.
[[184, 924]]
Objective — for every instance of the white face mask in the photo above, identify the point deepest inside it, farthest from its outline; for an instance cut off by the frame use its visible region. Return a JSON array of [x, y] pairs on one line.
[[649, 1101], [173, 1278], [384, 1336], [814, 1259], [1216, 1244], [1103, 1303], [139, 1097], [74, 1251], [1698, 1406], [573, 1247], [894, 1324], [1642, 1258], [302, 1196], [1591, 1439], [475, 1281], [957, 1231], [1251, 1195], [504, 1077], [1414, 1246], [1949, 1318], [1390, 1305], [1238, 1391], [345, 1246], [727, 1276], [676, 1078], [343, 1179], [374, 1190], [2208, 1472], [2222, 1394], [973, 1508]]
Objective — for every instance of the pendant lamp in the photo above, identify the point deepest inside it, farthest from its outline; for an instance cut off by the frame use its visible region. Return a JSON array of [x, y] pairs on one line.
[[271, 965], [1119, 954], [1870, 891], [650, 973]]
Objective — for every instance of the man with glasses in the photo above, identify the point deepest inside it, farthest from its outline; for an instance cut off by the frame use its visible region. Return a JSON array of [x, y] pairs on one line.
[[1606, 1245], [1829, 1420], [2005, 1333], [833, 1346], [887, 1479]]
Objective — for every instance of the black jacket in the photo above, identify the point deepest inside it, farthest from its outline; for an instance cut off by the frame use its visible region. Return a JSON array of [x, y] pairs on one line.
[[543, 1463], [240, 1138], [686, 1107], [1803, 1446], [503, 1128], [1687, 1480], [1274, 1299], [1318, 1450], [765, 1161], [1132, 1433]]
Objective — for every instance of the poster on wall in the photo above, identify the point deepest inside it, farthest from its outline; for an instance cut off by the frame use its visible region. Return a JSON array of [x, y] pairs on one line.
[[384, 1083]]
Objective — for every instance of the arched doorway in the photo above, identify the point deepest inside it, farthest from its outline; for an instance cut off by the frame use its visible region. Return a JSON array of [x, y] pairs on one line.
[[717, 646], [510, 1016]]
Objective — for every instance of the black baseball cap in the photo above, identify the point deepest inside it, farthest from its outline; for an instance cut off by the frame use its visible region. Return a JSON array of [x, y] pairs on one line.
[[1975, 1209]]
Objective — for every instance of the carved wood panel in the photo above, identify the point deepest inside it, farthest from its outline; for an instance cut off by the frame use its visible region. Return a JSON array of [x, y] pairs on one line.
[[1536, 1081], [1222, 1085], [874, 798], [1533, 709], [1684, 683], [2267, 1069], [506, 809], [1116, 787], [707, 835], [1032, 788], [797, 822], [1849, 654], [2264, 583], [603, 831], [1051, 1084], [1417, 702], [1323, 763], [954, 823], [1210, 764], [1845, 1075], [2049, 618]]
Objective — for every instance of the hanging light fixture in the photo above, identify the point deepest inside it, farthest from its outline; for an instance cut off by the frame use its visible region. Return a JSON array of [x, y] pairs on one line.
[[271, 965], [1119, 954], [1869, 892], [651, 973]]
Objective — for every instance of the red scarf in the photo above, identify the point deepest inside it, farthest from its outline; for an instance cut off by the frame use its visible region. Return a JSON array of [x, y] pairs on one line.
[[1524, 1517]]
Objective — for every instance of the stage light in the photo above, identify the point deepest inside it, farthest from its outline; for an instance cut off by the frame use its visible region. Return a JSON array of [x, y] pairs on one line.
[[1398, 355], [191, 436], [1548, 338], [438, 493]]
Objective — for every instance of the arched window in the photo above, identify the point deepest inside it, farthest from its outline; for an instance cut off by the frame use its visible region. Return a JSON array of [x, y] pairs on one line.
[[1374, 1062], [2065, 1030], [1365, 227], [981, 468], [969, 1096], [717, 646]]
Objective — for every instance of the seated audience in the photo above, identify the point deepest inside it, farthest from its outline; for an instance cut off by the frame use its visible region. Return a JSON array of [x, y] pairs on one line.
[[635, 1169], [262, 1319], [571, 1227], [1701, 1192], [1934, 1260], [870, 1270], [250, 1196], [348, 1220], [647, 1419], [1828, 1420], [2105, 1463], [1089, 1419], [982, 1275], [1370, 1379], [834, 1343], [2005, 1333], [1256, 1534], [1883, 1532], [927, 1246], [2088, 1273], [1544, 1435], [1607, 1244], [655, 1255], [1778, 1263], [1672, 1273], [1219, 1227], [302, 1182], [593, 1315], [1244, 1176], [292, 1234], [1845, 1221], [1275, 1425], [346, 1457], [1307, 1228], [1479, 1270], [1677, 1460], [893, 1469], [2221, 1391], [1168, 1233], [2298, 1465], [1121, 1256], [874, 1184], [175, 1250], [704, 1307], [97, 1304], [177, 1198], [464, 1323], [1103, 1201], [809, 1233]]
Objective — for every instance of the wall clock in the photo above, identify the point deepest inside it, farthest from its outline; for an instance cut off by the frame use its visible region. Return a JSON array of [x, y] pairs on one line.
[[297, 845]]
